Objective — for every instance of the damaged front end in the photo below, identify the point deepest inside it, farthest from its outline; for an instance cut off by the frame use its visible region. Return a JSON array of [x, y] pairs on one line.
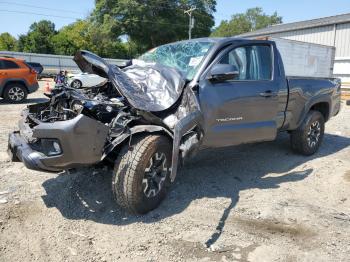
[[83, 127], [68, 131]]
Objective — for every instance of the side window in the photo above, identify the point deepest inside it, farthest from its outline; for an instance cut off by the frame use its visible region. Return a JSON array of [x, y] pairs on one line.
[[1, 67], [6, 64], [253, 62]]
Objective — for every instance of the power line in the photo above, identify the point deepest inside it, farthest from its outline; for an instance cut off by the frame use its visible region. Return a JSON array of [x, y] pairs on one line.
[[33, 13], [161, 23], [75, 18], [39, 7], [73, 12], [182, 8]]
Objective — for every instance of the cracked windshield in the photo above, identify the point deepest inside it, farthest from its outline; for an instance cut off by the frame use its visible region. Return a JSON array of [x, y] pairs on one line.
[[184, 56]]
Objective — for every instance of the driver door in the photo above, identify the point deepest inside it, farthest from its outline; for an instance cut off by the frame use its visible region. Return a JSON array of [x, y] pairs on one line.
[[243, 109]]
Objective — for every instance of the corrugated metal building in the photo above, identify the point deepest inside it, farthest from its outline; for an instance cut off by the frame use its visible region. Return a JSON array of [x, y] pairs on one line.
[[332, 31]]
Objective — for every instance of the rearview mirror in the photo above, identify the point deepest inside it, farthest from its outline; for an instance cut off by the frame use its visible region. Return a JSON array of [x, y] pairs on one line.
[[223, 72]]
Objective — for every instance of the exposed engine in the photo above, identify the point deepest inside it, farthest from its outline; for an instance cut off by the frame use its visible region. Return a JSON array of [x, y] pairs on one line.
[[102, 103], [66, 103]]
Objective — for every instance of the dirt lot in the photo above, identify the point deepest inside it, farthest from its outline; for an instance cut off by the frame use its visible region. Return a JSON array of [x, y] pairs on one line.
[[255, 202]]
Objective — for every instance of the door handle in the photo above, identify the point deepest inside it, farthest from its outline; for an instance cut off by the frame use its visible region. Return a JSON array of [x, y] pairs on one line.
[[268, 93]]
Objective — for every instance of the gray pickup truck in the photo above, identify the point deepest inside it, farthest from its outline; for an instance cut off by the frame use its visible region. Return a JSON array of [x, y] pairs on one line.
[[168, 104]]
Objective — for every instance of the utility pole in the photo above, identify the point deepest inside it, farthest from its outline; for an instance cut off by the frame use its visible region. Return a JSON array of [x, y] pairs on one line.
[[191, 21]]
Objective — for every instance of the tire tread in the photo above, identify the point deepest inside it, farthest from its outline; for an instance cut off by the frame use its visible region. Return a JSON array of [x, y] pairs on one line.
[[297, 136], [125, 171]]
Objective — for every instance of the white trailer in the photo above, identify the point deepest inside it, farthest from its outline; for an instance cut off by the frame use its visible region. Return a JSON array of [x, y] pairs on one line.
[[305, 59]]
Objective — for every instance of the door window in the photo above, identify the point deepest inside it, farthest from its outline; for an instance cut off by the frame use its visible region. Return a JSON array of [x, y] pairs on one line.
[[253, 62]]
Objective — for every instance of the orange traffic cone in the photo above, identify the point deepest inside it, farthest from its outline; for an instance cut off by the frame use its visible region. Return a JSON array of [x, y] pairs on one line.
[[47, 87]]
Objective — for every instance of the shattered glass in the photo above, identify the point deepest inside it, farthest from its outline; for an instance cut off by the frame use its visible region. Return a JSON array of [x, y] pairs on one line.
[[183, 56]]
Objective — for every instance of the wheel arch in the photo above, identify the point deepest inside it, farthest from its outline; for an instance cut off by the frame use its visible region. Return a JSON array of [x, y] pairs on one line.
[[320, 103], [185, 124], [323, 108], [136, 131]]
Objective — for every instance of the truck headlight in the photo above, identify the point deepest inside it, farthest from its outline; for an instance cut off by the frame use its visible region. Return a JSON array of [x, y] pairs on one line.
[[51, 147]]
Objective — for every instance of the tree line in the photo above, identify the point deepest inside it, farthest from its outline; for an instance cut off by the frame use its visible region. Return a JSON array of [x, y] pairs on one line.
[[126, 28]]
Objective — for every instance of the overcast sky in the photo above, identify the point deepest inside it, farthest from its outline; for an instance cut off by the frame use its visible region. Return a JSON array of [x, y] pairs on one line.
[[17, 15]]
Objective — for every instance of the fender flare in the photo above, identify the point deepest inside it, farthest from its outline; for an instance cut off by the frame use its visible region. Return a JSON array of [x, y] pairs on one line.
[[319, 99]]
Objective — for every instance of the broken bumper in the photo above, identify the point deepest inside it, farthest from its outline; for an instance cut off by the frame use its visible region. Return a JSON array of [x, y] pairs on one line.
[[20, 150], [81, 141]]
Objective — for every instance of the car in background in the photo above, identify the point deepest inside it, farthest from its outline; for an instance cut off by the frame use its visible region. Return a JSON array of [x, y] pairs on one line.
[[17, 79], [37, 67], [81, 80]]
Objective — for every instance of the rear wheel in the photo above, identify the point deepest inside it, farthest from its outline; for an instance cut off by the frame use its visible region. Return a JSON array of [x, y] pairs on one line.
[[141, 175], [308, 137], [15, 93]]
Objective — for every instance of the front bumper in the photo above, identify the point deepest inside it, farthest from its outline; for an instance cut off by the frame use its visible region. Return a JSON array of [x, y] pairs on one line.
[[19, 149], [82, 140]]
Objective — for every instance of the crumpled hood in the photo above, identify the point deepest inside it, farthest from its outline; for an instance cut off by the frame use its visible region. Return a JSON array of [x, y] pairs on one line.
[[150, 88]]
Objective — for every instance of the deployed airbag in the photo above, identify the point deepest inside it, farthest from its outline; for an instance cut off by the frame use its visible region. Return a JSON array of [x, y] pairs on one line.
[[151, 87], [154, 88]]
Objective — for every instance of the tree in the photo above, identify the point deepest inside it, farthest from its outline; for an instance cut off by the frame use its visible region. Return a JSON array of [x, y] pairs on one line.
[[39, 38], [253, 19], [144, 23], [105, 39], [71, 38], [83, 34], [151, 23], [21, 42], [7, 42]]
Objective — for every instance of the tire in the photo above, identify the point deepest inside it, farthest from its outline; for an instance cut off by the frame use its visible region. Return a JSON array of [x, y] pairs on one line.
[[141, 176], [307, 139], [76, 84], [15, 93]]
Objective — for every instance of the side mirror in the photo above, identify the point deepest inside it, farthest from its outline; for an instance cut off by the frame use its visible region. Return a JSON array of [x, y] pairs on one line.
[[223, 72]]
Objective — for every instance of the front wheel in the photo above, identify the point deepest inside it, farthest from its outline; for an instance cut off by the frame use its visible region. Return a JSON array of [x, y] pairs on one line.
[[141, 175], [76, 84], [308, 137]]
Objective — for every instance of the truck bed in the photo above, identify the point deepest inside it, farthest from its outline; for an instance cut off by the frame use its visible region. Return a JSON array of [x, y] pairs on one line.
[[302, 91]]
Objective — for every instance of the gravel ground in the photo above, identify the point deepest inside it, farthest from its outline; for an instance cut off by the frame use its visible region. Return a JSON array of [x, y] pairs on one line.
[[256, 202]]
